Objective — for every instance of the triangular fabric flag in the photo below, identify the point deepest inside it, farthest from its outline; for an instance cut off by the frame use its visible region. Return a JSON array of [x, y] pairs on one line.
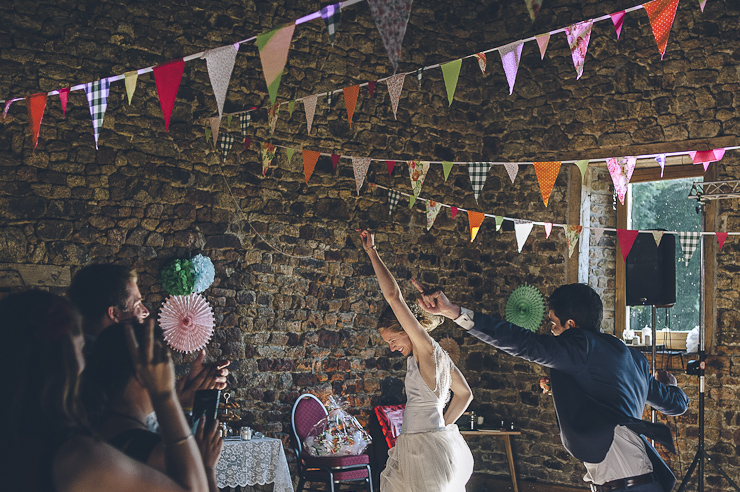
[[621, 169], [36, 104], [478, 172], [617, 20], [130, 79], [97, 100], [393, 197], [542, 41], [390, 165], [247, 143], [433, 209], [451, 72], [273, 116], [583, 166], [273, 47], [64, 97], [350, 99], [391, 17], [310, 157], [227, 141], [547, 173], [229, 117], [419, 75], [220, 64], [268, 154], [446, 168], [572, 233], [412, 200], [660, 159], [661, 14], [7, 107], [417, 172], [533, 7], [453, 212], [522, 228], [702, 4], [721, 237], [689, 242], [704, 157], [395, 86], [329, 99], [290, 154], [309, 105], [510, 56], [331, 14], [208, 134], [335, 160], [475, 219], [626, 239], [512, 168], [597, 232], [578, 37], [168, 77], [215, 126], [360, 166], [371, 88], [291, 108], [481, 57], [499, 221], [548, 229], [657, 236], [244, 120]]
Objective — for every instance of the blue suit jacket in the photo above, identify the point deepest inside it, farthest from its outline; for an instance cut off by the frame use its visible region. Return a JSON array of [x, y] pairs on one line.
[[597, 383]]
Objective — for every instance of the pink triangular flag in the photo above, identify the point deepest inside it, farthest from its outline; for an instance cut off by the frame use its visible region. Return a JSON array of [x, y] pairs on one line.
[[510, 56], [395, 86], [660, 159], [548, 229], [453, 212], [578, 37], [621, 169], [64, 97], [702, 3], [617, 20], [657, 236], [390, 165], [334, 160], [309, 105], [721, 237], [598, 232], [704, 157], [542, 41], [36, 105], [167, 78], [626, 240], [215, 126], [371, 87], [360, 166], [661, 14], [220, 64], [512, 168]]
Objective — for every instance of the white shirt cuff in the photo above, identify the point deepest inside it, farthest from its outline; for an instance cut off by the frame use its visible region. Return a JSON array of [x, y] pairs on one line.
[[465, 320]]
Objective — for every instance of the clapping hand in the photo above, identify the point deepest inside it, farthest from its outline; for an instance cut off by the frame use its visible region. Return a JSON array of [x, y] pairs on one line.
[[151, 360]]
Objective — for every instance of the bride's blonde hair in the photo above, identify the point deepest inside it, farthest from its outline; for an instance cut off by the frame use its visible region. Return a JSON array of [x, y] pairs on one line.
[[427, 321]]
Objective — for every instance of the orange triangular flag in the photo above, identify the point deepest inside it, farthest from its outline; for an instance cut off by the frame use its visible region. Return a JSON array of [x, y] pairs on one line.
[[721, 236], [626, 240], [661, 14], [36, 105], [350, 99], [309, 162], [475, 219], [547, 173]]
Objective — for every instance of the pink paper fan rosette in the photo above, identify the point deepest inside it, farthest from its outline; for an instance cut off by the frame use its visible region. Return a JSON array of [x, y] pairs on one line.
[[187, 322]]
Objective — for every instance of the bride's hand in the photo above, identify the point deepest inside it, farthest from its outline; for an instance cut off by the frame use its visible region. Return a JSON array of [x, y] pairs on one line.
[[368, 239]]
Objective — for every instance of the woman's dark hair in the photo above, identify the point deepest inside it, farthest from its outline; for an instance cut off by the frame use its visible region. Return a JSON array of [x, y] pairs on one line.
[[580, 303]]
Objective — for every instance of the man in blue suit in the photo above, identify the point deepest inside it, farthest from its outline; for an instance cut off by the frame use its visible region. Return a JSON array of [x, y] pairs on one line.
[[599, 387]]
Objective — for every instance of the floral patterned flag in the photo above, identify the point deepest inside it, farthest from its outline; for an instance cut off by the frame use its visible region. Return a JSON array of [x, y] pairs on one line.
[[512, 168], [661, 14], [395, 86], [548, 229], [657, 236], [721, 237], [572, 233], [36, 105], [268, 154], [475, 219], [626, 239], [510, 56], [522, 228], [310, 157], [360, 166], [578, 37], [391, 17], [273, 116], [689, 242], [547, 173], [273, 47], [393, 197], [215, 126], [542, 41], [433, 209], [97, 99], [227, 141], [481, 57], [597, 233], [64, 97], [621, 169], [617, 20], [309, 105], [220, 64], [350, 100], [451, 73], [167, 78], [478, 172], [533, 7], [417, 172]]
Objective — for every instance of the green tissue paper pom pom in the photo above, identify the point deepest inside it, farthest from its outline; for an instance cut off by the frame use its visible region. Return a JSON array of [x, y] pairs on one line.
[[177, 277]]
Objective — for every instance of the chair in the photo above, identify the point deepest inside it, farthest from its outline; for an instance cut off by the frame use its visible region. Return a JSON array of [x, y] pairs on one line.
[[331, 470]]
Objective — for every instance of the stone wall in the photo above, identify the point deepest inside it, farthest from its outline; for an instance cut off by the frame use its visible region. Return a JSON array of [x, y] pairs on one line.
[[295, 298]]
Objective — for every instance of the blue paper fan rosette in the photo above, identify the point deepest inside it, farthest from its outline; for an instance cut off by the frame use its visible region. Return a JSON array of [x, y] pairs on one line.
[[204, 273], [526, 307]]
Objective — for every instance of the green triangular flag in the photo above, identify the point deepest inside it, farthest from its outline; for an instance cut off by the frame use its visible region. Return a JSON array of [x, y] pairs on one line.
[[228, 119], [412, 200], [499, 220], [583, 165], [447, 167], [208, 133], [451, 72], [290, 154], [291, 107]]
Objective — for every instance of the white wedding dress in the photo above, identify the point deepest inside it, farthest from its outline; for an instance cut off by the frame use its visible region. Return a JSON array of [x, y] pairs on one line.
[[428, 456]]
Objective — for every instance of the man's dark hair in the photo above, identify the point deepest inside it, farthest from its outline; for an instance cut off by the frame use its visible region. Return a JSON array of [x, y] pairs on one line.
[[95, 288], [580, 303]]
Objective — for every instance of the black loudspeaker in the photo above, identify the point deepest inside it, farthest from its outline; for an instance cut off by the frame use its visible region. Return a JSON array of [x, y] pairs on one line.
[[651, 271]]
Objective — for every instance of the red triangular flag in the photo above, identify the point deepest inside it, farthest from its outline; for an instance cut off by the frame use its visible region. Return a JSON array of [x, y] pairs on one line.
[[247, 143], [721, 236], [453, 211], [64, 96], [371, 87], [350, 99], [661, 14], [310, 157], [618, 21], [168, 78], [36, 105], [391, 165], [334, 160], [626, 240]]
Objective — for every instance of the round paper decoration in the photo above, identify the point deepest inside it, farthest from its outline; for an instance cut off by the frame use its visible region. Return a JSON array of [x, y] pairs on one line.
[[204, 273], [452, 348], [526, 307], [187, 322], [177, 277]]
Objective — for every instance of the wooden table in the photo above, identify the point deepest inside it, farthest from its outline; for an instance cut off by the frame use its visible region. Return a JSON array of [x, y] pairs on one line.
[[506, 436]]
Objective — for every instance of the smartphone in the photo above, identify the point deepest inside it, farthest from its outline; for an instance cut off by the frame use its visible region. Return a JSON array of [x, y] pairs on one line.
[[205, 405]]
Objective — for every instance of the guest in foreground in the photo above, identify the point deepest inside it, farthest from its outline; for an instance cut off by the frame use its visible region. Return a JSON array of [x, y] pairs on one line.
[[430, 455], [599, 387]]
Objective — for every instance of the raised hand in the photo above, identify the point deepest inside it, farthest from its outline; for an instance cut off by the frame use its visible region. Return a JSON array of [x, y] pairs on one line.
[[152, 361], [368, 239], [435, 301], [202, 376]]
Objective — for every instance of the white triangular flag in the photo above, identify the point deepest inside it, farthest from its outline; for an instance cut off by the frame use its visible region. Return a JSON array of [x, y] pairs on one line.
[[597, 232], [522, 228], [512, 168], [309, 105], [360, 165], [220, 63], [510, 56], [657, 236]]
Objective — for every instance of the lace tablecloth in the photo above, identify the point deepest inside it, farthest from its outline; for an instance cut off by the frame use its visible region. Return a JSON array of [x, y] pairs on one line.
[[258, 461]]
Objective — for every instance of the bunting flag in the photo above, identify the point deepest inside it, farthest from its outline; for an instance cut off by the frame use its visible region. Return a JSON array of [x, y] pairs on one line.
[[329, 96], [168, 77], [350, 100], [451, 72], [660, 159], [391, 17], [291, 108], [417, 173], [273, 47], [227, 141], [626, 239], [433, 209], [572, 233], [446, 168], [478, 172], [273, 116], [475, 219], [621, 169], [533, 7], [657, 236], [309, 106], [395, 86], [499, 220], [704, 157], [268, 154], [512, 168], [290, 154], [36, 105], [310, 157], [335, 160], [702, 4], [393, 197], [244, 120], [208, 134], [220, 64], [97, 100], [360, 166], [419, 75], [547, 173], [390, 165], [453, 212], [689, 242], [522, 228], [548, 229], [229, 117], [510, 56], [371, 87], [481, 57], [582, 166], [130, 79], [617, 20], [331, 14], [247, 143], [63, 98], [597, 233], [721, 237], [578, 37], [7, 107], [215, 127], [661, 14], [542, 41]]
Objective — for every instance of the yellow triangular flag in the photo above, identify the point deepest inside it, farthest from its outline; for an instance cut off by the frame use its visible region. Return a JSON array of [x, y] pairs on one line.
[[131, 78]]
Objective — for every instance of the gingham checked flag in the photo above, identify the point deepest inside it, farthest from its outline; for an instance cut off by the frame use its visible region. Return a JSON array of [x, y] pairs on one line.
[[478, 173], [97, 99], [244, 120], [689, 242], [393, 197], [331, 14], [227, 141]]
